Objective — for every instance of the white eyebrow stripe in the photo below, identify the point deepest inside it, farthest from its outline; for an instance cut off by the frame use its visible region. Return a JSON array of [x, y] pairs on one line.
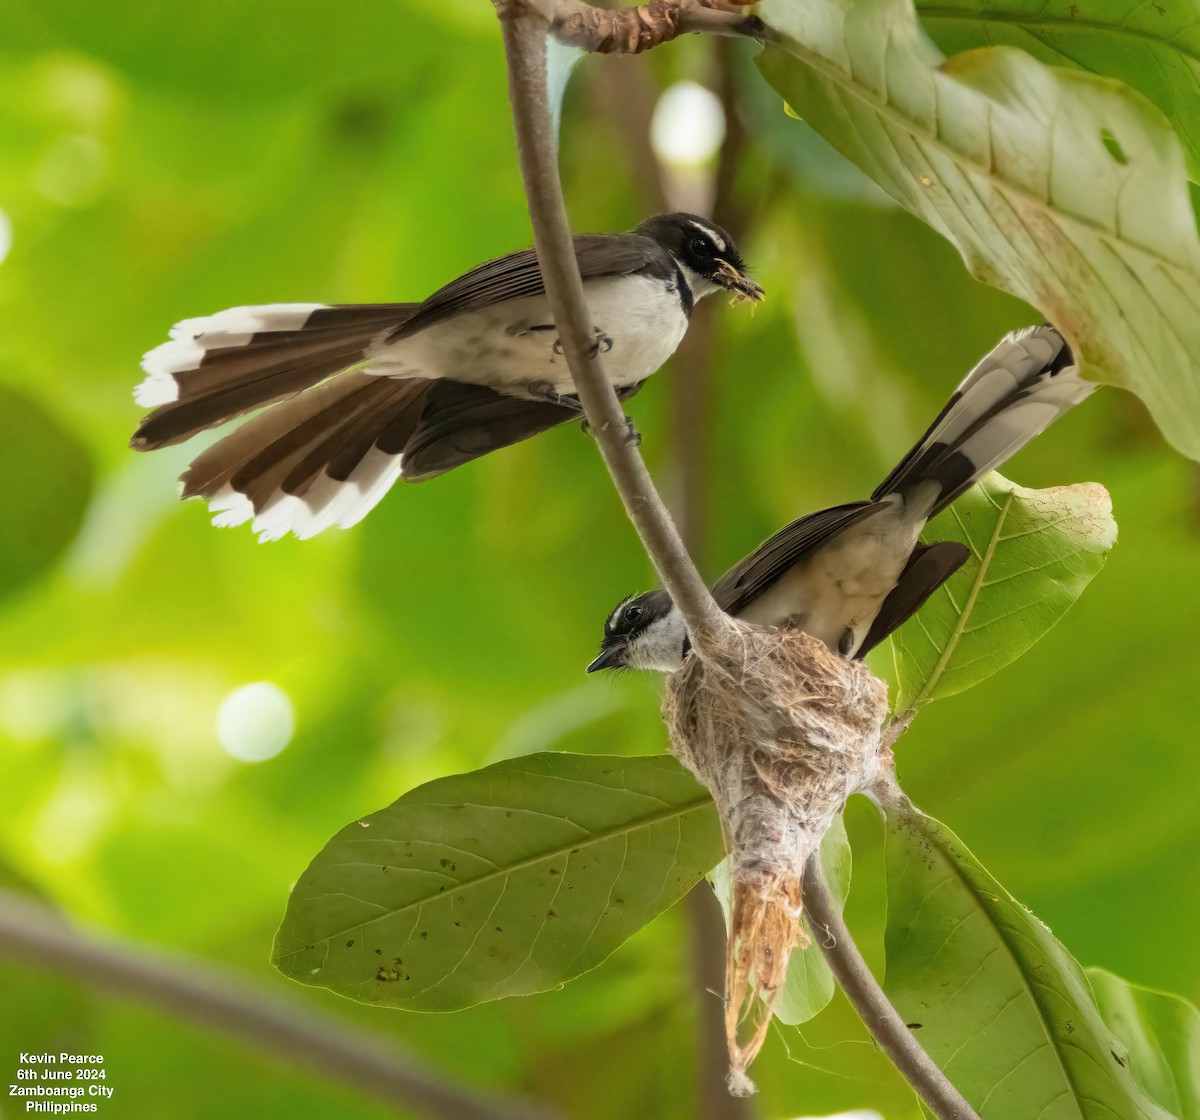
[[710, 233]]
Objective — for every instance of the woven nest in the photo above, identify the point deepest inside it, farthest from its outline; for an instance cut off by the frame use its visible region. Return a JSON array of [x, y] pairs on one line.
[[781, 732]]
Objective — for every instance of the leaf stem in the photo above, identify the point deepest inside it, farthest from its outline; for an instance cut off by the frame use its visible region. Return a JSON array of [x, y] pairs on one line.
[[874, 1008], [188, 989]]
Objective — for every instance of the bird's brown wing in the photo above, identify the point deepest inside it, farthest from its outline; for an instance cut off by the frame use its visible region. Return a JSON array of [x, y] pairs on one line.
[[929, 566], [517, 275], [759, 571]]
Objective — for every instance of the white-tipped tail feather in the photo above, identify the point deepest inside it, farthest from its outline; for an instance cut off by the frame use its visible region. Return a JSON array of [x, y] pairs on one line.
[[1023, 384], [191, 339], [329, 502]]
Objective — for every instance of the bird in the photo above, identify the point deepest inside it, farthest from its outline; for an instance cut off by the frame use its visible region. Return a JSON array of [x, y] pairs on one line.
[[361, 395], [851, 574]]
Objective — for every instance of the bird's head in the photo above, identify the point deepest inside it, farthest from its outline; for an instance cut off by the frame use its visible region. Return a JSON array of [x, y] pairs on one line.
[[643, 632], [707, 254]]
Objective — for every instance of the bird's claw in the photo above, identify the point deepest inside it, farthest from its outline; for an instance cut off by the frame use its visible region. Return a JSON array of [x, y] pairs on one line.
[[632, 436], [601, 344], [545, 393]]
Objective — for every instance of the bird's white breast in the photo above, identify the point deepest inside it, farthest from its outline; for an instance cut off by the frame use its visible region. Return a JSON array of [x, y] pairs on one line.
[[498, 346]]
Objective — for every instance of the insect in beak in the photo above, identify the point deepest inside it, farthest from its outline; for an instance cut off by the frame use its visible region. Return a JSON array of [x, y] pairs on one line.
[[739, 283]]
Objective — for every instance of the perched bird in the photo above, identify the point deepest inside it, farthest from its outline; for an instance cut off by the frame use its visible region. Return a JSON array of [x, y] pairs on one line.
[[851, 574], [364, 394]]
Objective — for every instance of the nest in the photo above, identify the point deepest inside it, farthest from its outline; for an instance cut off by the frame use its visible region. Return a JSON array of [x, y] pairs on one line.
[[781, 731]]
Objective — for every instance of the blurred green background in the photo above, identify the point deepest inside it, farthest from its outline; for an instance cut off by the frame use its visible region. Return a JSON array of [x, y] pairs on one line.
[[161, 162]]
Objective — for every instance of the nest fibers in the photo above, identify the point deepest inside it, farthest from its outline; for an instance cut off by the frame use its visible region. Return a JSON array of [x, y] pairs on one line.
[[781, 731]]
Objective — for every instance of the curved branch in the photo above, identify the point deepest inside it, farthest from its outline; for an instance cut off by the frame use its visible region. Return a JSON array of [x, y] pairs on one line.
[[633, 30], [198, 993], [525, 49], [874, 1008]]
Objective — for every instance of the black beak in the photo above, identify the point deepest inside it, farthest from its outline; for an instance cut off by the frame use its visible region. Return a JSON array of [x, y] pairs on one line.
[[738, 282], [611, 657]]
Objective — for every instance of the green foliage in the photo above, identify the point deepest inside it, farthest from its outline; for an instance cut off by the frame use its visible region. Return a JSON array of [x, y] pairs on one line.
[[159, 163], [1060, 187], [42, 507], [1003, 1008], [505, 881], [1153, 48], [1032, 554], [1161, 1036]]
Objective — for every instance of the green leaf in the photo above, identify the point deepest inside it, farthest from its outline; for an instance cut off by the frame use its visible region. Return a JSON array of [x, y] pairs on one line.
[[1032, 554], [1161, 1033], [1063, 188], [1155, 48], [809, 985], [1004, 1010], [42, 509], [508, 880]]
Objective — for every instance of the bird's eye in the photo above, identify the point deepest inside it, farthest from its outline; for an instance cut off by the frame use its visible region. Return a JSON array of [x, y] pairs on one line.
[[700, 247], [632, 614]]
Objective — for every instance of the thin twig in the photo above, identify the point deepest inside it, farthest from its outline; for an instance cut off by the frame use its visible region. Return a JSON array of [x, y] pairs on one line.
[[633, 30], [525, 48], [706, 927], [692, 394], [868, 998], [691, 412], [196, 992]]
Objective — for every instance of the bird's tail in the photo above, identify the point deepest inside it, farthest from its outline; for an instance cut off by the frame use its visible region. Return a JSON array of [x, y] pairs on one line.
[[327, 456], [1025, 383], [221, 366], [324, 457], [334, 438]]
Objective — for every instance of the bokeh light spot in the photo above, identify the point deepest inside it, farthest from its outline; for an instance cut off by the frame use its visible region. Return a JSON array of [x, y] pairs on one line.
[[255, 722], [688, 125]]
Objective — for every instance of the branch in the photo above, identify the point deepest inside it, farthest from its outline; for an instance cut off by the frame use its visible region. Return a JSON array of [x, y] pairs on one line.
[[525, 48], [633, 30], [187, 989], [874, 1008]]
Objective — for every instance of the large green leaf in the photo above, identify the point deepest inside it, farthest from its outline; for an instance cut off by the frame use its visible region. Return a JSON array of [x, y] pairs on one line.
[[1155, 48], [1063, 188], [49, 483], [505, 881], [1032, 554], [1002, 1007], [1161, 1033]]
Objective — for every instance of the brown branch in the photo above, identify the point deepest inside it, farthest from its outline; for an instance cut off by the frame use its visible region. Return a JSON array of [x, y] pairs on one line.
[[525, 48], [691, 414], [190, 990], [706, 927], [875, 1009], [633, 30]]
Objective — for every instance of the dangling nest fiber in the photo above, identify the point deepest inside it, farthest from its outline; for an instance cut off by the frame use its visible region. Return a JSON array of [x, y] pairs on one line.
[[781, 734]]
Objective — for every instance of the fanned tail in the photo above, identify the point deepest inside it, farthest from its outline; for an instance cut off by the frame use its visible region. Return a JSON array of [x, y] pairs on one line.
[[221, 366]]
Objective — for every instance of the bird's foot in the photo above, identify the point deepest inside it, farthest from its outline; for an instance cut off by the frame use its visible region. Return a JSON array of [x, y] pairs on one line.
[[546, 393], [632, 436], [601, 344]]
